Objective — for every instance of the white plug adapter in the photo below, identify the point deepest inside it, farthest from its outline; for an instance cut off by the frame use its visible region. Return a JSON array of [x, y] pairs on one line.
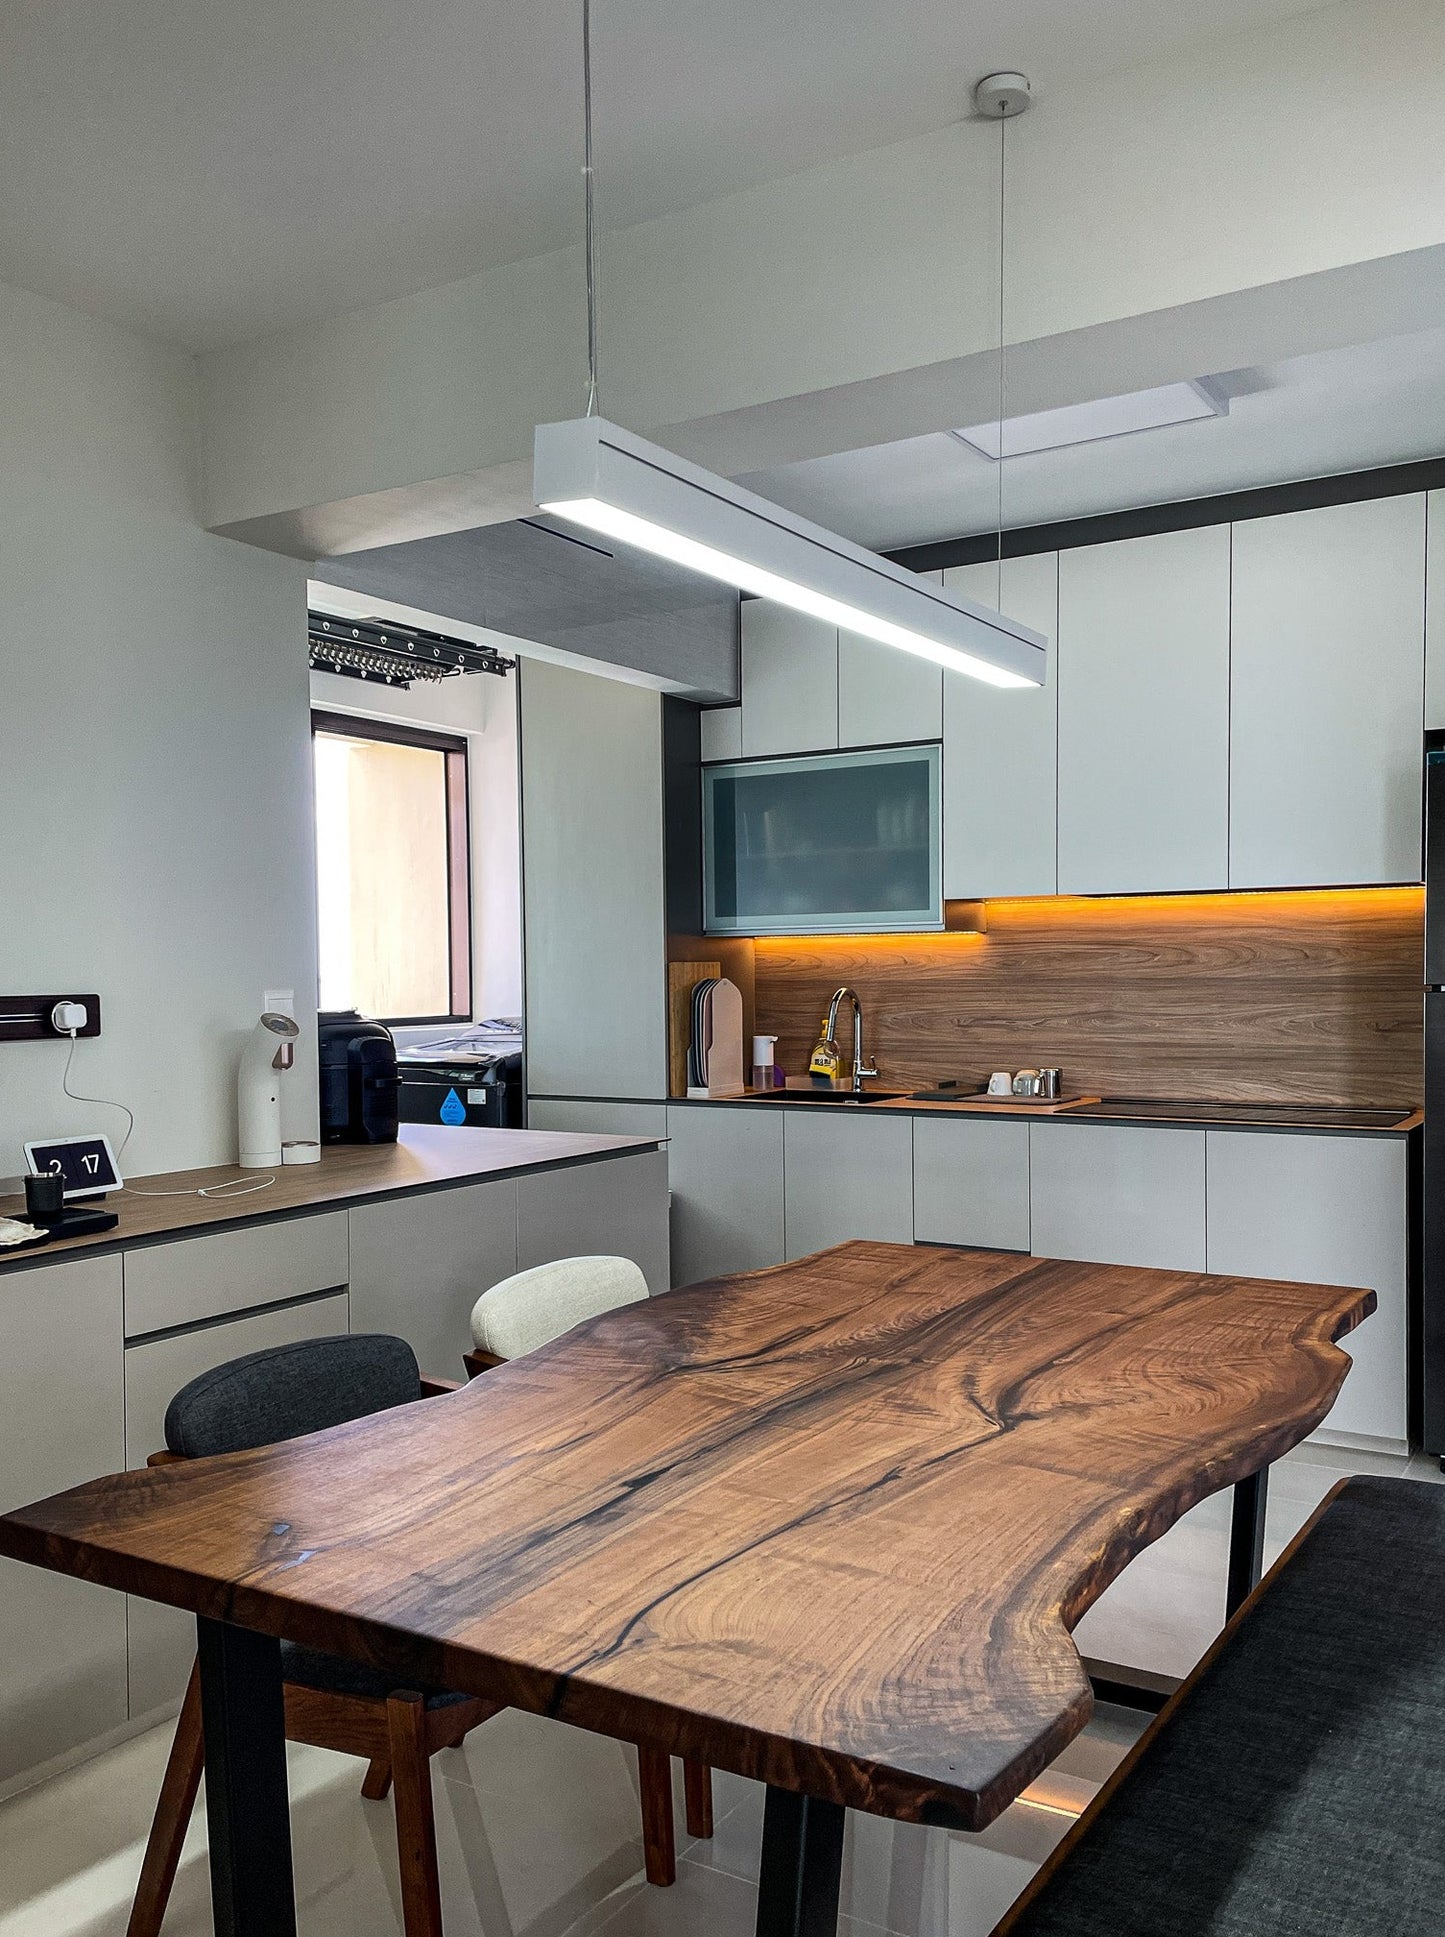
[[68, 1017]]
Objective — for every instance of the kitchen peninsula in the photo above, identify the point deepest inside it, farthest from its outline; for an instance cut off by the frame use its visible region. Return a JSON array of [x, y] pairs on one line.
[[97, 1334]]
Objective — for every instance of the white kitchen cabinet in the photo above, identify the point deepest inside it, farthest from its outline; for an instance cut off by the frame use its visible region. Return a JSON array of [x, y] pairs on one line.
[[592, 862], [886, 696], [725, 1168], [790, 680], [722, 732], [971, 1182], [62, 1422], [1112, 1193], [189, 1280], [846, 1174], [1000, 750], [1326, 709], [419, 1264], [1144, 714], [597, 1118], [1435, 610], [1323, 1210], [615, 1207], [162, 1640]]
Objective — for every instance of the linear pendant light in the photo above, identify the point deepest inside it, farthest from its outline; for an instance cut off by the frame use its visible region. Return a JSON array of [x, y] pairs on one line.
[[594, 474]]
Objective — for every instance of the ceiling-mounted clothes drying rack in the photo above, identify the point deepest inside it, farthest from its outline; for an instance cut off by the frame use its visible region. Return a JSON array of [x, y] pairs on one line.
[[394, 655]]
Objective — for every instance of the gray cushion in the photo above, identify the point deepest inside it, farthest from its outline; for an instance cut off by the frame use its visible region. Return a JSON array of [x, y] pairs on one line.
[[335, 1675], [1300, 1790], [288, 1390]]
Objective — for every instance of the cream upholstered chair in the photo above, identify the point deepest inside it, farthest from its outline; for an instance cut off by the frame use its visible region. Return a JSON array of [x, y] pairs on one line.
[[531, 1308], [523, 1312]]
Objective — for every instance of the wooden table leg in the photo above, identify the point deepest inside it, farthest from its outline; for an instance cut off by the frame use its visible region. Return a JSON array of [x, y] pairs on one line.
[[802, 1866], [247, 1808], [1246, 1539]]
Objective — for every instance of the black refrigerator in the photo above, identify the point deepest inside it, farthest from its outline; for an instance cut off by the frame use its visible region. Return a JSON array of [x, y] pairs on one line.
[[1432, 1179]]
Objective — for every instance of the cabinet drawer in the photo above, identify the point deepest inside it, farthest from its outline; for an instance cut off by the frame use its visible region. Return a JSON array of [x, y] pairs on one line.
[[971, 1183], [162, 1640], [157, 1368], [198, 1278]]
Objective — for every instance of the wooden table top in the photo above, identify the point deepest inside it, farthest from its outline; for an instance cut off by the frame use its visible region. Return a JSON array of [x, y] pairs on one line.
[[425, 1157], [828, 1525]]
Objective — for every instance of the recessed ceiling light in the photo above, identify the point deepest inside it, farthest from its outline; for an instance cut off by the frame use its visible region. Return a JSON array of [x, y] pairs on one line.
[[1051, 430], [594, 474]]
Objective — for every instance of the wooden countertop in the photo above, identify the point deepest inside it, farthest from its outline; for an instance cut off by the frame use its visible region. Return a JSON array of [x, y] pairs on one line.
[[827, 1525], [426, 1157], [1310, 1118]]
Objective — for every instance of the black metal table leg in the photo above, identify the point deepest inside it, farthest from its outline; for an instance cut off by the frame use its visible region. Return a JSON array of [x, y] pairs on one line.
[[1246, 1539], [247, 1807], [802, 1866]]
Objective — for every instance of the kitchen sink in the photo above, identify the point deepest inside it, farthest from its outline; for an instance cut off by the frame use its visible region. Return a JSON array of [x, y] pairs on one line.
[[850, 1097]]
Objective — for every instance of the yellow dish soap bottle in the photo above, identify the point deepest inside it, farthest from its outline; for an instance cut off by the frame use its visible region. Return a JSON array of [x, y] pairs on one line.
[[825, 1062]]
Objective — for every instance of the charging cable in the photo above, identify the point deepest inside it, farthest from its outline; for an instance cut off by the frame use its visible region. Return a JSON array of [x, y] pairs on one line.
[[233, 1187], [101, 1102]]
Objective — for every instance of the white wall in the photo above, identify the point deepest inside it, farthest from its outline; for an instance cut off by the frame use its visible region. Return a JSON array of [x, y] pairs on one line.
[[154, 756], [484, 708]]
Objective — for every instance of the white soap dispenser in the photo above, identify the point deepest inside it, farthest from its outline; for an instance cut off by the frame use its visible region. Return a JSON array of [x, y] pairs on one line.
[[270, 1048]]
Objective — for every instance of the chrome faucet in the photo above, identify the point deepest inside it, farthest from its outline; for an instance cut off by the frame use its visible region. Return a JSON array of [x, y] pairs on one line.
[[860, 1068]]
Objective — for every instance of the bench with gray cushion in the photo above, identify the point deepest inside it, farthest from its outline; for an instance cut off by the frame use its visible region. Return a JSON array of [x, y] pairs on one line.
[[1295, 1786]]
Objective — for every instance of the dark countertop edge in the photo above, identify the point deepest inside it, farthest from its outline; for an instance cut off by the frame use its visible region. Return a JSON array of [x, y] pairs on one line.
[[1088, 1113], [113, 1241]]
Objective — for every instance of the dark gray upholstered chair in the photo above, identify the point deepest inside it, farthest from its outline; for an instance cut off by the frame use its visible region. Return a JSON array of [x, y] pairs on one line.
[[334, 1703]]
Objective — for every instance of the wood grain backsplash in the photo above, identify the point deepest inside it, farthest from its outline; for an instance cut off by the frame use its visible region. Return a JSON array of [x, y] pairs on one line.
[[1283, 997]]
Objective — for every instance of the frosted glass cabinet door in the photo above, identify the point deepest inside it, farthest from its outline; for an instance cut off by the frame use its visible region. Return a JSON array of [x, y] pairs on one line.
[[1326, 711], [1000, 750], [1144, 714], [790, 680]]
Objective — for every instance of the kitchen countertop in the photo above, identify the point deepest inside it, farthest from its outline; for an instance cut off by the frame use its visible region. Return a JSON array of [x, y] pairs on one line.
[[426, 1157], [1360, 1120]]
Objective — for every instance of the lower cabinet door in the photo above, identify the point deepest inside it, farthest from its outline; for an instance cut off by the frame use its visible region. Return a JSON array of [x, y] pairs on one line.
[[616, 1207], [1330, 1211], [62, 1421], [725, 1166], [1112, 1193], [971, 1182], [163, 1639], [419, 1264], [846, 1175]]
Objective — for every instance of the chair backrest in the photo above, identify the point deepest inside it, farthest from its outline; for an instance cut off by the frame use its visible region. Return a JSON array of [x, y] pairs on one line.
[[536, 1306], [288, 1390]]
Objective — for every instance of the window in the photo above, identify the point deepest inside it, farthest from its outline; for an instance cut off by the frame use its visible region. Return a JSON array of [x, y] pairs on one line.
[[392, 870]]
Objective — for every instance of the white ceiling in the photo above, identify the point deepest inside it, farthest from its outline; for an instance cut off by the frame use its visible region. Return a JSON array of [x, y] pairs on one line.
[[213, 170], [1313, 416]]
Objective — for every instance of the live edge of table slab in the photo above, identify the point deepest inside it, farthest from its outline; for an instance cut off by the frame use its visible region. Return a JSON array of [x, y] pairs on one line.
[[828, 1525]]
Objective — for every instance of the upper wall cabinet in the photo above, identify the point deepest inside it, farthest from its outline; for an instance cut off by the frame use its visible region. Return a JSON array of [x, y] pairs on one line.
[[1326, 708], [1000, 749], [1435, 610], [594, 922], [885, 696], [1144, 714], [790, 680]]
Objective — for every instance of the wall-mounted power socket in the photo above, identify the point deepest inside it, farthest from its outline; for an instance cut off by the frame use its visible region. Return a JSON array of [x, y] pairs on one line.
[[32, 1018]]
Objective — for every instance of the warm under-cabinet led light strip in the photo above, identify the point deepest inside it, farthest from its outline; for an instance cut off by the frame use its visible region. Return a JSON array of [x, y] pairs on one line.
[[591, 473]]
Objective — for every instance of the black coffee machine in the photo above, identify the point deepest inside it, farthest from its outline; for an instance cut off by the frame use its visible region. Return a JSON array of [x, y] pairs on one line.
[[359, 1082]]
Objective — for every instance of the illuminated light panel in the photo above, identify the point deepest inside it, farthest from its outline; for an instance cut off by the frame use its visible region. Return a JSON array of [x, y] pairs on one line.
[[592, 474], [1055, 430]]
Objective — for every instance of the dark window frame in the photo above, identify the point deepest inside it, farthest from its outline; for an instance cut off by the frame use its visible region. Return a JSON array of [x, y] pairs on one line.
[[356, 726]]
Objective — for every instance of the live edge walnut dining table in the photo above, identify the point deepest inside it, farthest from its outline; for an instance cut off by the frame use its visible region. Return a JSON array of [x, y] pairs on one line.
[[828, 1525]]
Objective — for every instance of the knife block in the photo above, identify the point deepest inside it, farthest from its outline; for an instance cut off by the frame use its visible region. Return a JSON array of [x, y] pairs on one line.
[[723, 1059]]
